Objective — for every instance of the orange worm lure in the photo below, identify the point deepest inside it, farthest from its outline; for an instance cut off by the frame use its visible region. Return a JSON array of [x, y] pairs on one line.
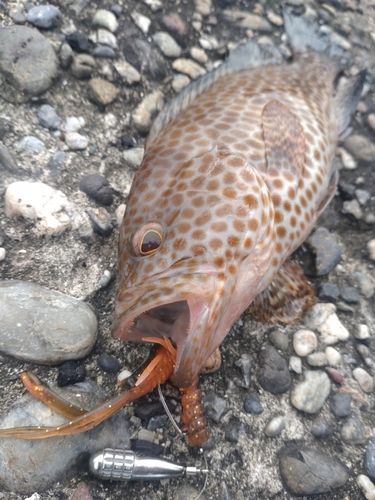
[[156, 373]]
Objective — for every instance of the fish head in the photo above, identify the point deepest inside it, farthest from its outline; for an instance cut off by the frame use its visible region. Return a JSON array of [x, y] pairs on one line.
[[185, 255]]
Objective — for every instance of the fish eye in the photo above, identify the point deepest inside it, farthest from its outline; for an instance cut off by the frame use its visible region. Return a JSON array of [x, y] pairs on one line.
[[147, 239]]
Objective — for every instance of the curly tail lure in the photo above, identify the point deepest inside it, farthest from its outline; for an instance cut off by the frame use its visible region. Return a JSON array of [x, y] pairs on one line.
[[159, 370]]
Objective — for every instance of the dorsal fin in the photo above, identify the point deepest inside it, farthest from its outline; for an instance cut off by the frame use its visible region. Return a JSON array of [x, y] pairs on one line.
[[284, 141], [246, 56]]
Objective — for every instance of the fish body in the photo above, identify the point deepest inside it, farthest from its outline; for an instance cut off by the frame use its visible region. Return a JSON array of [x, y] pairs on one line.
[[236, 171]]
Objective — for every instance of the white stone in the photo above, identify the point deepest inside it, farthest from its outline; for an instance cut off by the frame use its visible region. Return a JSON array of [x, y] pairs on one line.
[[154, 4], [333, 356], [310, 395], [38, 202], [188, 67], [203, 7], [366, 486], [347, 159], [352, 207], [120, 213], [105, 19], [362, 332], [275, 426], [127, 72], [323, 318], [304, 342], [76, 141], [371, 249], [141, 21], [105, 37], [208, 42], [146, 109], [2, 253], [295, 364], [179, 82], [364, 379], [198, 54], [317, 359], [73, 123], [134, 156], [147, 435], [124, 374], [167, 44], [275, 18]]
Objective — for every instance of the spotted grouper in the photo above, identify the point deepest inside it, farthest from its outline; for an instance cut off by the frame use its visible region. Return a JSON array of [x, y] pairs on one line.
[[236, 171]]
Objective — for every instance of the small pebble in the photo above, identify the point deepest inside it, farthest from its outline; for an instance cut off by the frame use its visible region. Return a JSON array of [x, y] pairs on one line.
[[105, 279], [328, 291], [360, 147], [253, 405], [233, 430], [350, 295], [101, 221], [366, 284], [275, 426], [7, 160], [304, 342], [109, 363], [127, 72], [76, 141], [333, 356], [371, 249], [48, 118], [335, 375], [245, 364], [146, 435], [78, 42], [2, 254], [30, 144], [317, 359], [146, 109], [105, 37], [102, 92], [199, 55], [310, 395], [187, 492], [326, 249], [188, 67], [104, 52], [295, 364], [247, 20], [353, 431], [105, 19], [134, 156], [273, 373], [352, 208], [86, 233], [366, 486], [347, 191], [120, 211], [340, 405], [139, 53], [323, 318], [215, 407], [157, 422], [83, 65], [321, 429], [280, 340], [66, 55], [179, 82], [44, 16], [70, 373], [73, 124], [167, 44], [364, 379], [370, 458], [361, 332], [363, 196], [143, 22], [128, 142], [348, 162], [116, 9]]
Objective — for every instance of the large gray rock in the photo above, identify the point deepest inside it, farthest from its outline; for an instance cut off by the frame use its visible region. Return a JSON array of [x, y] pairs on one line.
[[28, 63], [27, 466], [44, 326]]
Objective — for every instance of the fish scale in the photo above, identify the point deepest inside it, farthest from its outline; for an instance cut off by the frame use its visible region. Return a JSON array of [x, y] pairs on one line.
[[236, 171]]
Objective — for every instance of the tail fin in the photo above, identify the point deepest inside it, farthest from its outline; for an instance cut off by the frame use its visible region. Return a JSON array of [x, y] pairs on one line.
[[303, 35], [347, 98]]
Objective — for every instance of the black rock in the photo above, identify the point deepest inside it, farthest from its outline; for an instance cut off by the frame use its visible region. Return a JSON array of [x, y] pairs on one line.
[[97, 187], [128, 142], [2, 237], [215, 407], [307, 471], [273, 373], [71, 372], [146, 447], [116, 9], [327, 251], [321, 429], [101, 221], [157, 422], [370, 459], [350, 295], [347, 191], [233, 430], [252, 404], [147, 410], [104, 52], [328, 291], [78, 41], [340, 405], [109, 363], [140, 55]]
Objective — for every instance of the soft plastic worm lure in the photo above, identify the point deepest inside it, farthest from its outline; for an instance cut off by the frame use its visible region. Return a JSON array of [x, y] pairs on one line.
[[158, 371]]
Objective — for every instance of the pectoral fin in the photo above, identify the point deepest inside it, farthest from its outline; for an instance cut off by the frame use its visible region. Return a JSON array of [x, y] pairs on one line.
[[286, 299]]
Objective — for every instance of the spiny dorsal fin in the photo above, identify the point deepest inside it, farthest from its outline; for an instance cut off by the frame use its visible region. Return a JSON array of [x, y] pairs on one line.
[[246, 56], [286, 299], [284, 141]]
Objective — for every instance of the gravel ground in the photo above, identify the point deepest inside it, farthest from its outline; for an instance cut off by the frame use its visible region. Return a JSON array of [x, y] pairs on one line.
[[246, 466]]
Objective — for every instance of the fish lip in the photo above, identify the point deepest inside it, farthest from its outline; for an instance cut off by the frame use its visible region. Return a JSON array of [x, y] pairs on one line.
[[195, 303]]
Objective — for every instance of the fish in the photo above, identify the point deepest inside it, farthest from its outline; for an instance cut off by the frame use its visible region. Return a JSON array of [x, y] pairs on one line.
[[237, 169]]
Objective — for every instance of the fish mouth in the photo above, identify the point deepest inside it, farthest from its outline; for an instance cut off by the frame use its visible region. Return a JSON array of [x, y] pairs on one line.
[[181, 316]]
